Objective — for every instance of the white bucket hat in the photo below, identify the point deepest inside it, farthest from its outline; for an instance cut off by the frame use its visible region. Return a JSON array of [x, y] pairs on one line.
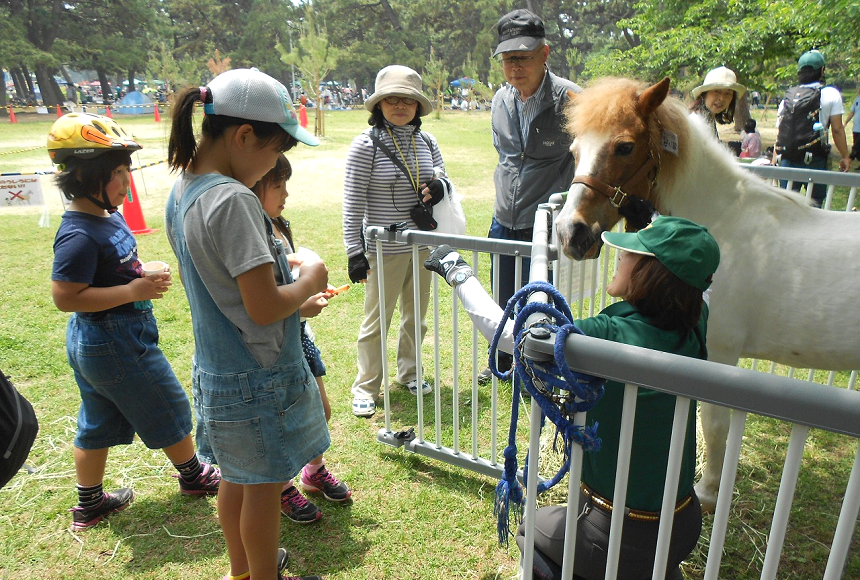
[[399, 81], [720, 78]]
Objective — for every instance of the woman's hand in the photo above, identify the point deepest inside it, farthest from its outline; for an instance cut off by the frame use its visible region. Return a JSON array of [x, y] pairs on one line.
[[434, 190]]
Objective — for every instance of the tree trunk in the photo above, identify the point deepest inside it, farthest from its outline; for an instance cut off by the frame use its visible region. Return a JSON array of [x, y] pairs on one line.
[[742, 112], [3, 102], [71, 93], [132, 86], [20, 83], [28, 82], [51, 94], [106, 94]]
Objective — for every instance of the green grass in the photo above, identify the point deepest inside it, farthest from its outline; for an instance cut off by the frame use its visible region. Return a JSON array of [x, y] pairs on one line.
[[412, 517]]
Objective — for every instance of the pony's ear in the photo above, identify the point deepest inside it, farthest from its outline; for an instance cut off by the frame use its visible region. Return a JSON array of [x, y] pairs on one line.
[[570, 95], [653, 97]]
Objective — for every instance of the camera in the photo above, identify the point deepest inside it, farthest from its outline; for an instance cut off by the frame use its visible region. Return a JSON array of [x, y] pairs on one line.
[[422, 215]]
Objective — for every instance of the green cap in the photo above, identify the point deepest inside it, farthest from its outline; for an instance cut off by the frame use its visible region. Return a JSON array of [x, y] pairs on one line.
[[684, 247], [811, 58]]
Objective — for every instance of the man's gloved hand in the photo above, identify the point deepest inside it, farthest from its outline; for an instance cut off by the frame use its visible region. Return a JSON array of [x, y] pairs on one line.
[[437, 189], [358, 268], [446, 262]]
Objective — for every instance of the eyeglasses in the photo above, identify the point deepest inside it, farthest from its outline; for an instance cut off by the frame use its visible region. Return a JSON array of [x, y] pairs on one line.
[[394, 100], [513, 61]]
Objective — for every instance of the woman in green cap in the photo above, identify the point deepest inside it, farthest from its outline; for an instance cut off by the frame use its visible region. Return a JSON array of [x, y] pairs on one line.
[[662, 274]]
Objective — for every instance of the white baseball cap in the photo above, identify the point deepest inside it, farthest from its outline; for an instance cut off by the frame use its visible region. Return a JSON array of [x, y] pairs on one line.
[[247, 93]]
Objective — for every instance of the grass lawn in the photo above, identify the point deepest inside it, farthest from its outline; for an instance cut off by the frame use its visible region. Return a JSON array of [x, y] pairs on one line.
[[412, 517]]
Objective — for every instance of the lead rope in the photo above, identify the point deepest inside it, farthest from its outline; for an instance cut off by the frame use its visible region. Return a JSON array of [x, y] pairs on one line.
[[558, 391]]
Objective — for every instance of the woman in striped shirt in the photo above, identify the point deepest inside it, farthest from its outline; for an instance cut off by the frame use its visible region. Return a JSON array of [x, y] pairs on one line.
[[380, 189]]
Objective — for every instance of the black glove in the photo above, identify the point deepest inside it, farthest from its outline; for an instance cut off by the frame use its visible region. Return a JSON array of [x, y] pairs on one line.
[[438, 190], [446, 262], [358, 268]]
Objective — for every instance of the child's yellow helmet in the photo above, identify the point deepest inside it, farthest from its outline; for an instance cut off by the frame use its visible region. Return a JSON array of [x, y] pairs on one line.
[[86, 136]]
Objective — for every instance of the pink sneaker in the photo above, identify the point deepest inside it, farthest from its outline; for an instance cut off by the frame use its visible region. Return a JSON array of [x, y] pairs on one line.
[[323, 481]]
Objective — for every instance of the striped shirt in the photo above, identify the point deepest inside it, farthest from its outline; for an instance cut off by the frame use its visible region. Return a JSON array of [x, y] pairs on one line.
[[376, 192], [528, 110]]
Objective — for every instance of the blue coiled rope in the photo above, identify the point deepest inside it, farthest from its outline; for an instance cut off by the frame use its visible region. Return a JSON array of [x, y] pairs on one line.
[[565, 393]]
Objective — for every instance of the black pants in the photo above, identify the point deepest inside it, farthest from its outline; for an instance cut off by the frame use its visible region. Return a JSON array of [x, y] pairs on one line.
[[507, 269], [638, 548], [855, 147]]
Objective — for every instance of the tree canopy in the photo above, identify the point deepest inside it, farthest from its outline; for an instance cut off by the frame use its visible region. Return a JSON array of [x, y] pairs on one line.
[[647, 39]]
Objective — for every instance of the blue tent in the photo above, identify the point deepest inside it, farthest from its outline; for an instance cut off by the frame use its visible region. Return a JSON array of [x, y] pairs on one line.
[[135, 103], [462, 81]]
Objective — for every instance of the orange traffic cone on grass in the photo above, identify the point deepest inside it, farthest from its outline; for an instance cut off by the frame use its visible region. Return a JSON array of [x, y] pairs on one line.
[[157, 114], [131, 211], [59, 112], [12, 117], [107, 112], [303, 117]]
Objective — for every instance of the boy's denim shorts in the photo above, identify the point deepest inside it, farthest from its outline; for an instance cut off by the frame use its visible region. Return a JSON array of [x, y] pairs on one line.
[[127, 386]]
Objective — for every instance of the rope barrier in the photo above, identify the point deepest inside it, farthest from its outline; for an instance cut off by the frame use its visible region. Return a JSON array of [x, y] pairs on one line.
[[54, 171], [22, 150]]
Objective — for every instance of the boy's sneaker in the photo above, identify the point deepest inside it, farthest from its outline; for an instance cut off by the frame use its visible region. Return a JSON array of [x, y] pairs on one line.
[[324, 481], [206, 483], [296, 507], [115, 501]]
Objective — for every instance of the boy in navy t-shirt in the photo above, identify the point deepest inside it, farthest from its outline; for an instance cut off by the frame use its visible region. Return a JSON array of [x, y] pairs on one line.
[[126, 384]]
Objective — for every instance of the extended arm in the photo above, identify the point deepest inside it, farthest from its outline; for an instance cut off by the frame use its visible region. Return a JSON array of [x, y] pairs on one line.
[[479, 305]]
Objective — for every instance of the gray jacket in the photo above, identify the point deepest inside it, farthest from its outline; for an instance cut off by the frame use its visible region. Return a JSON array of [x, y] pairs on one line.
[[526, 176]]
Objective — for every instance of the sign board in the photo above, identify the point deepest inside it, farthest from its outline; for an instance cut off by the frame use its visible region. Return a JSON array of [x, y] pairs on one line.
[[20, 190]]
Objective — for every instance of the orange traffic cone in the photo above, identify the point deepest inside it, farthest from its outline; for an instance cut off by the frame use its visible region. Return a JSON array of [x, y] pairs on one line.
[[107, 112], [131, 211], [157, 114], [303, 117], [59, 112], [12, 117]]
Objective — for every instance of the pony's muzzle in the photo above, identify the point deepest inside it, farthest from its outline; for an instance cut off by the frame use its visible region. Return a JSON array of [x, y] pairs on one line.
[[578, 241]]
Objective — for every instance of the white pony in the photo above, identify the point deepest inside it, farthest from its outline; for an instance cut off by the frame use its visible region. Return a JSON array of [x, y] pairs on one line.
[[786, 289]]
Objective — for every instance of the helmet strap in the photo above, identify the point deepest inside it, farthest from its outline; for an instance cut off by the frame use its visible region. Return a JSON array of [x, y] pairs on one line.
[[103, 203]]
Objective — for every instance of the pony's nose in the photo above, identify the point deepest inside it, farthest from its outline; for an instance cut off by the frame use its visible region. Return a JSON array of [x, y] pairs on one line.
[[577, 240]]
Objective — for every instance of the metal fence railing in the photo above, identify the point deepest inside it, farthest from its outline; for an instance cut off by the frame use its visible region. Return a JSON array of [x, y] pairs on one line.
[[461, 424]]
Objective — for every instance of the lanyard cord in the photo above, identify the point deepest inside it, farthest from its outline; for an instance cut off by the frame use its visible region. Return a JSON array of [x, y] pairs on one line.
[[413, 181]]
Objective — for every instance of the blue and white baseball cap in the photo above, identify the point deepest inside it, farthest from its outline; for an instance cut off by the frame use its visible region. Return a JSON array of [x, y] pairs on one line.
[[247, 93]]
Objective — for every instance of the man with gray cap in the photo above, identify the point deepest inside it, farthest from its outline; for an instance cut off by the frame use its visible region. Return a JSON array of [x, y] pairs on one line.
[[802, 120], [528, 133]]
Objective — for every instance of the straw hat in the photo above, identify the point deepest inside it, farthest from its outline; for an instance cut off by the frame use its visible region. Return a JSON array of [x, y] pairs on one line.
[[399, 81], [720, 78]]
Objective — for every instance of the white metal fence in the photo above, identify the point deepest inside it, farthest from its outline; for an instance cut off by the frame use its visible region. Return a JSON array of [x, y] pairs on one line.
[[461, 425]]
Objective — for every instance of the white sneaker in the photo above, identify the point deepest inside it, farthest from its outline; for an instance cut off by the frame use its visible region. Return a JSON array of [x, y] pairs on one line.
[[363, 407], [413, 387]]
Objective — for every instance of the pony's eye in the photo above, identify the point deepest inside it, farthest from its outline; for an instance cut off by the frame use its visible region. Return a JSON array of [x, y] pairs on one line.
[[624, 149]]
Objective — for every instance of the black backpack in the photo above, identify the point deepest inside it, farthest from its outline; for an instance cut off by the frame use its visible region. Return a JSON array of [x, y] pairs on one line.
[[18, 427], [796, 136]]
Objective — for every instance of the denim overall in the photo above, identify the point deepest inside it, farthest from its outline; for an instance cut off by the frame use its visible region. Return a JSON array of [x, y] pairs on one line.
[[263, 423]]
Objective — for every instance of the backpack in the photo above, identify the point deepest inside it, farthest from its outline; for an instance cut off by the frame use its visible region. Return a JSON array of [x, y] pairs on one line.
[[796, 136], [18, 427]]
